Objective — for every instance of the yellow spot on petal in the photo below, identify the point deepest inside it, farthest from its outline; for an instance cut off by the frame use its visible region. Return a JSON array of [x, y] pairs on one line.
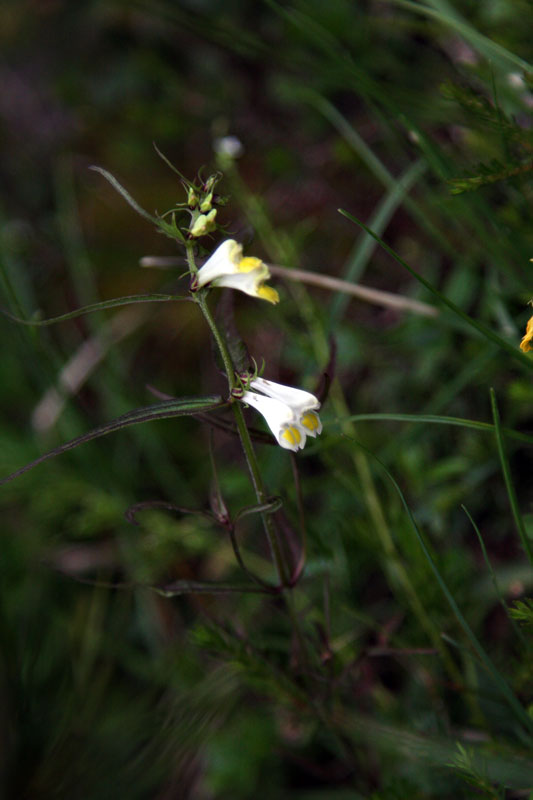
[[268, 293], [310, 421], [249, 263], [234, 251], [525, 344], [292, 435]]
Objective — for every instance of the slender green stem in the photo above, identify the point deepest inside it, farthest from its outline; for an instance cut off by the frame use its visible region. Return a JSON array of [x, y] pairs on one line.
[[244, 435], [299, 567], [201, 299], [281, 250], [494, 579], [261, 495]]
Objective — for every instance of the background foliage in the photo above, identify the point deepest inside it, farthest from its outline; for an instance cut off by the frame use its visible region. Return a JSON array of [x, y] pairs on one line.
[[413, 117]]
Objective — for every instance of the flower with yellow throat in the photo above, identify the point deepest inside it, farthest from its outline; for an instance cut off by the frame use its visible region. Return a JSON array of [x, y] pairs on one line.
[[291, 414], [304, 405], [227, 268]]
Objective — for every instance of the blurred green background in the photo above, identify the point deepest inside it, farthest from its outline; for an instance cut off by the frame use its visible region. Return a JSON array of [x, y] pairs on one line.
[[414, 117]]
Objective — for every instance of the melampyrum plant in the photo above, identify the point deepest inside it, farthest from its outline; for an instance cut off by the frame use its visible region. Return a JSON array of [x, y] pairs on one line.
[[290, 413], [315, 674]]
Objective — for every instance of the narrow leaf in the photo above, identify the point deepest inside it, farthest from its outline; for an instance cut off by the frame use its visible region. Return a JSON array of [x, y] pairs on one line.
[[493, 577], [432, 419], [177, 408], [204, 587], [102, 306], [269, 507], [492, 51], [161, 505], [487, 174], [125, 194], [170, 164], [519, 522]]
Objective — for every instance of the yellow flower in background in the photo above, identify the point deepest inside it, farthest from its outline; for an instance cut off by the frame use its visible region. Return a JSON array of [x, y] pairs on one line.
[[227, 268], [525, 344]]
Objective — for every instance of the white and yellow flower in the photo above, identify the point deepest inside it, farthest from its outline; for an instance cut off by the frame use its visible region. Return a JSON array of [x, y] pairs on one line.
[[303, 405], [291, 414], [227, 268], [279, 418]]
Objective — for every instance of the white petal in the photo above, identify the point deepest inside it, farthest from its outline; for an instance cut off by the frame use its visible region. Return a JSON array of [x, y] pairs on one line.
[[280, 419], [299, 400], [247, 282], [223, 261]]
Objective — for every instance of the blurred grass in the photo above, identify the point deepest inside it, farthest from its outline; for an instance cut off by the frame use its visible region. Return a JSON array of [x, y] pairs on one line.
[[108, 693]]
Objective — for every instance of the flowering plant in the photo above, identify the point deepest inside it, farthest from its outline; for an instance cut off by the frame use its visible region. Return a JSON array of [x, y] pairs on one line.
[[290, 413]]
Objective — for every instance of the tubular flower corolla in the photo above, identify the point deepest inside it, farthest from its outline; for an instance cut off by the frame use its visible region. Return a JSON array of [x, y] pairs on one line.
[[227, 268], [291, 414], [303, 405], [279, 418]]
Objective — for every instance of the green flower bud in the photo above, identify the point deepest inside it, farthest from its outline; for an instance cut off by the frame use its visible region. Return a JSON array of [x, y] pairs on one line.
[[205, 205], [204, 223]]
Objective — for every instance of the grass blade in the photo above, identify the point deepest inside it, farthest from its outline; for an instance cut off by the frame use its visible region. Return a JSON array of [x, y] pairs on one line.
[[519, 522], [500, 683], [513, 351], [493, 577], [380, 219], [492, 51], [433, 419], [373, 163]]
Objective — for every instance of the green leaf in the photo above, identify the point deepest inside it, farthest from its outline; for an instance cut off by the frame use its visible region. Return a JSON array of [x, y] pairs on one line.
[[522, 611], [492, 51], [174, 408], [127, 300], [513, 500], [171, 166], [170, 229], [205, 587], [125, 194], [487, 174], [433, 419], [478, 107], [268, 507]]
